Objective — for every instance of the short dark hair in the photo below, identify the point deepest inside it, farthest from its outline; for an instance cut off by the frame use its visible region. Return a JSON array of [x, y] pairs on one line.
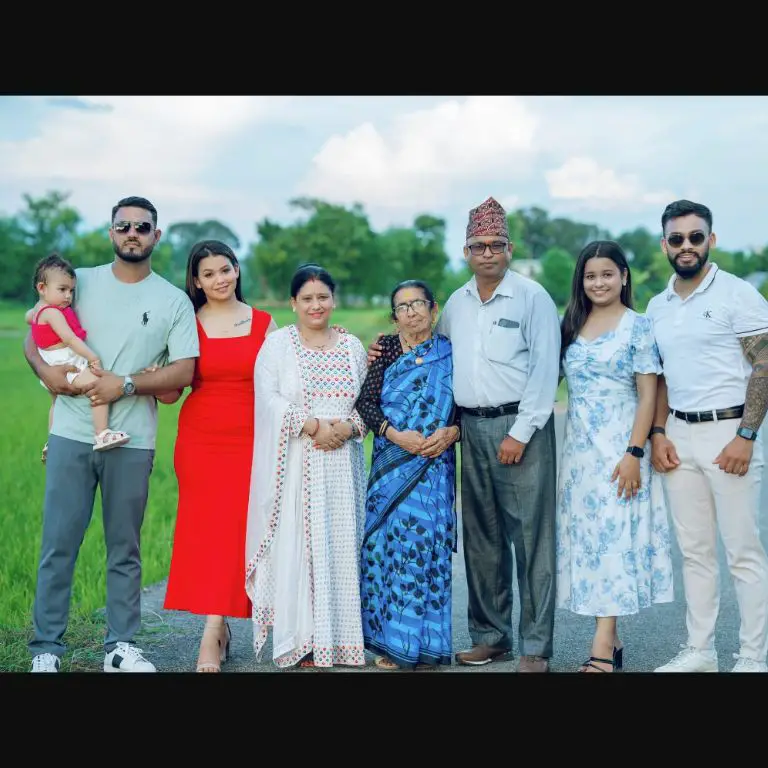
[[54, 261], [136, 202], [306, 272], [685, 208], [426, 290], [200, 251]]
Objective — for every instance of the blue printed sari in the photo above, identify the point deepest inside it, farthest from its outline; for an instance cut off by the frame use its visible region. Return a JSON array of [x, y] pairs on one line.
[[410, 528]]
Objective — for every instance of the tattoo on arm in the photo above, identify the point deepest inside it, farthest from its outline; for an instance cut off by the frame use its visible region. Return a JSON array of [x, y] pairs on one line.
[[756, 401]]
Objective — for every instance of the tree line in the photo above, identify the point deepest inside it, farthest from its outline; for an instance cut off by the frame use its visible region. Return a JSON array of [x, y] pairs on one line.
[[365, 263]]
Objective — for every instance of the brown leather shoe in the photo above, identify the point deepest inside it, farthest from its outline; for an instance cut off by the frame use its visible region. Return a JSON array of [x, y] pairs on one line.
[[481, 654], [533, 664]]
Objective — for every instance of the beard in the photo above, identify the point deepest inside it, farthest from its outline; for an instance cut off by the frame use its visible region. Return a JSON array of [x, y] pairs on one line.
[[694, 269], [134, 255]]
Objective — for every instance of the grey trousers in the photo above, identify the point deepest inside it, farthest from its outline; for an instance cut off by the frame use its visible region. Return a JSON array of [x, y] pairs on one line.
[[73, 470], [504, 506]]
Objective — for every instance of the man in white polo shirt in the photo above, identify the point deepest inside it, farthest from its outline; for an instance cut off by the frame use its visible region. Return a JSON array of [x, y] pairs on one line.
[[712, 332]]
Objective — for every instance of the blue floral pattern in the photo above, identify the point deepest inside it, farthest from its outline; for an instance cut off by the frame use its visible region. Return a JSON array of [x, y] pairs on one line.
[[613, 555]]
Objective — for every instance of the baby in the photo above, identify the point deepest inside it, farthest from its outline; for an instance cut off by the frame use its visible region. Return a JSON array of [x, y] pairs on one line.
[[60, 340]]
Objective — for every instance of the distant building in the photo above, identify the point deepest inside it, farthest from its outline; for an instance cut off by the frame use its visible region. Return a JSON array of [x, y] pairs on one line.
[[527, 267]]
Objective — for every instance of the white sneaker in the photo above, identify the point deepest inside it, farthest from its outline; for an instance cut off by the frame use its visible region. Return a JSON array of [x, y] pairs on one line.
[[691, 660], [127, 658], [45, 662], [745, 664]]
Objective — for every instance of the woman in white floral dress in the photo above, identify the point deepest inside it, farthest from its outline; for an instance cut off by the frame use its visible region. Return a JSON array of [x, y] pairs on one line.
[[613, 539]]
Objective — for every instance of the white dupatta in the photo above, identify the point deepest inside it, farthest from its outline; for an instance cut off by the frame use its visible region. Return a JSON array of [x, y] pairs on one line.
[[278, 561]]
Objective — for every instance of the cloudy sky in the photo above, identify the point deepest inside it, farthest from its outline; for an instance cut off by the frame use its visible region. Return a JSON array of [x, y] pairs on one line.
[[614, 161]]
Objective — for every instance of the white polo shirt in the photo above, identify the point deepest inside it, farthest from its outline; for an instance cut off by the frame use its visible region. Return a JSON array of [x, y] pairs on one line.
[[698, 339]]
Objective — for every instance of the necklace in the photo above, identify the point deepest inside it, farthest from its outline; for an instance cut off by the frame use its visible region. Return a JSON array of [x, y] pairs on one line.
[[319, 347], [419, 360]]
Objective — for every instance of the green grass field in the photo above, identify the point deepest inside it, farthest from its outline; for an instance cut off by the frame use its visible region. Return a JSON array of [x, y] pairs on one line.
[[23, 425]]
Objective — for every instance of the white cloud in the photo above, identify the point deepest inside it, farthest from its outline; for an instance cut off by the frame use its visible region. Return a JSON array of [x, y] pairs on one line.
[[425, 154], [583, 180], [159, 143]]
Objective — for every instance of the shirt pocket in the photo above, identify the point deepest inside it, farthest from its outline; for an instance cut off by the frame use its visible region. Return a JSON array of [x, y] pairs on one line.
[[504, 341]]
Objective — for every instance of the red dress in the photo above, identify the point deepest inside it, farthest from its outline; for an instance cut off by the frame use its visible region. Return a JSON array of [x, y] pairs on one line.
[[213, 454]]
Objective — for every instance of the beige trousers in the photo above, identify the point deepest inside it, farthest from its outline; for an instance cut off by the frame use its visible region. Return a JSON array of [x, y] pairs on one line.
[[703, 498]]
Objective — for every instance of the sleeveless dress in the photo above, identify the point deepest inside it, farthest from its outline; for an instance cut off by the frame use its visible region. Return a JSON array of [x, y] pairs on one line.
[[213, 455]]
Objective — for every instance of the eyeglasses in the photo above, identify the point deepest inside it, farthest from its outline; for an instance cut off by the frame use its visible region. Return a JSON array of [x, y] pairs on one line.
[[478, 249], [694, 238], [141, 227], [416, 305]]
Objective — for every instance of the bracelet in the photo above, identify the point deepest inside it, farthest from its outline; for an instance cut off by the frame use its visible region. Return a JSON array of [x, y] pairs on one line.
[[317, 428], [657, 431]]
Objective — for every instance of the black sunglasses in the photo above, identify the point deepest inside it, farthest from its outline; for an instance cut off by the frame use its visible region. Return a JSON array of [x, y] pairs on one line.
[[478, 249], [142, 227], [694, 238]]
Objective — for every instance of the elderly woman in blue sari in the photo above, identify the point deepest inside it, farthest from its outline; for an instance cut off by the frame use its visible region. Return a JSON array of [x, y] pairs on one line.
[[410, 527]]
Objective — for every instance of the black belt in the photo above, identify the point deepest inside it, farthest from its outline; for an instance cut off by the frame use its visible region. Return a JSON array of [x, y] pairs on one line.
[[693, 417], [492, 413]]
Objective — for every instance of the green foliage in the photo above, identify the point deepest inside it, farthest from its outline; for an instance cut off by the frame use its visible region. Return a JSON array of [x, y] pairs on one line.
[[557, 267], [366, 264], [180, 238], [639, 245]]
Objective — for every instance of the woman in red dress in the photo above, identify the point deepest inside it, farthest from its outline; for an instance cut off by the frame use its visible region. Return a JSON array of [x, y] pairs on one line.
[[214, 450]]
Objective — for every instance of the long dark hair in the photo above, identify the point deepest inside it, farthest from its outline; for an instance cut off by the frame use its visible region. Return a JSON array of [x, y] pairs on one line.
[[199, 252], [579, 306]]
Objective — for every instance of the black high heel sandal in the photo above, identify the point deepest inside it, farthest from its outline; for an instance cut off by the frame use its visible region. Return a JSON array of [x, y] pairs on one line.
[[618, 657], [588, 663]]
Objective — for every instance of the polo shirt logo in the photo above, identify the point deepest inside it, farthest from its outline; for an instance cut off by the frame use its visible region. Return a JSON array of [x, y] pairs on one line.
[[708, 314]]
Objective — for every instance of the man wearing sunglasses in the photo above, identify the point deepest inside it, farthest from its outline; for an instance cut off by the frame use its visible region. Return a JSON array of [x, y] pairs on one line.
[[711, 328], [135, 320]]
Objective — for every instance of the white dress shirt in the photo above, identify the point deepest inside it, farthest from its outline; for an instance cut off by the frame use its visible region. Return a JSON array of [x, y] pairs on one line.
[[505, 350], [698, 339]]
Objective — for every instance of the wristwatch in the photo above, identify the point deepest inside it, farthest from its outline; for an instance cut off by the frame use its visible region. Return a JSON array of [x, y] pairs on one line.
[[129, 388], [746, 433], [638, 453]]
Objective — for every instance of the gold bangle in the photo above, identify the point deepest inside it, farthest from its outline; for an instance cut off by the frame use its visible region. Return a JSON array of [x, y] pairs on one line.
[[383, 428]]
